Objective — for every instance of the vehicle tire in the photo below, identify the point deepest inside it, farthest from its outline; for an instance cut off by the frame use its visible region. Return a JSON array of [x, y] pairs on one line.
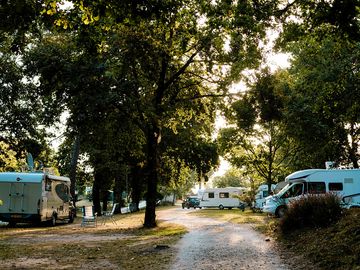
[[221, 207], [229, 208], [12, 224], [71, 217], [200, 207], [188, 207], [280, 211]]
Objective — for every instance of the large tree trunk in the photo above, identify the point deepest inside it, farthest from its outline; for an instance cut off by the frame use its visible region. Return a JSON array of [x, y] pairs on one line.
[[153, 140]]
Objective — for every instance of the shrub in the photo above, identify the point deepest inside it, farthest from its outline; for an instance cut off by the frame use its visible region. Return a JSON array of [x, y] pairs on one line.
[[312, 211]]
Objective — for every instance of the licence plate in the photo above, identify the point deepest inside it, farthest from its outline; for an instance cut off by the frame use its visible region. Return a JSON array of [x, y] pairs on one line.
[[16, 216]]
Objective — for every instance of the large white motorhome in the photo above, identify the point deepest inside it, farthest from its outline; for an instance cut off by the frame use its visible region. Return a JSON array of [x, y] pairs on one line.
[[343, 182], [34, 197], [222, 198]]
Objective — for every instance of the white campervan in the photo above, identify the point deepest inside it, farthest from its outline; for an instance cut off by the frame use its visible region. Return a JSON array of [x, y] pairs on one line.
[[261, 194], [344, 182], [222, 198], [34, 197]]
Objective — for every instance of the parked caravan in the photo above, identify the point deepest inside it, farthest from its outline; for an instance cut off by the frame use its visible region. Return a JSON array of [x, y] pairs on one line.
[[35, 197], [222, 198], [261, 194], [343, 182]]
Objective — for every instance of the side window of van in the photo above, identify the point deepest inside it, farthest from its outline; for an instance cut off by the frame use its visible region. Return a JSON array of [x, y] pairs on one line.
[[316, 187], [335, 186], [62, 191], [224, 195], [211, 195]]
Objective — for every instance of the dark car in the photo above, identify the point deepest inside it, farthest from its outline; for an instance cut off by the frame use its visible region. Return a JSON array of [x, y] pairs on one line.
[[191, 202]]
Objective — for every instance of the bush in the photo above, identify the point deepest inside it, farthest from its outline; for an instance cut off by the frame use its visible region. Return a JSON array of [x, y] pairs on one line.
[[312, 211]]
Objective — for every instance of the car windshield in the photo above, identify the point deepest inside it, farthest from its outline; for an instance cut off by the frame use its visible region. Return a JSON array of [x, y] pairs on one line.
[[283, 189]]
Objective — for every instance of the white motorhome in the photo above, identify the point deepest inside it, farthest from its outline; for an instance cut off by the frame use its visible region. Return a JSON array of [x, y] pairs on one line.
[[261, 194], [222, 198], [34, 197], [343, 182]]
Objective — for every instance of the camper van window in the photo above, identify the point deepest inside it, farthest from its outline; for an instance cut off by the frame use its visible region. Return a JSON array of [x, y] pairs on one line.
[[211, 195], [295, 190], [62, 191], [335, 186], [316, 187], [224, 195]]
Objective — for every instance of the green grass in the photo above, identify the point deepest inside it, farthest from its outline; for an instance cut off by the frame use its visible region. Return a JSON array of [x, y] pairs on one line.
[[126, 245]]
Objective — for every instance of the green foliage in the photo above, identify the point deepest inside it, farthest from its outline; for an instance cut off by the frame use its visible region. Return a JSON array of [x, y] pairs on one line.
[[257, 142], [232, 178], [8, 160], [312, 211], [322, 109]]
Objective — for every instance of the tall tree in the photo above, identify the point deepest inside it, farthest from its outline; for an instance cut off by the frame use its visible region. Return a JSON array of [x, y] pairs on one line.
[[325, 94], [159, 57], [257, 142]]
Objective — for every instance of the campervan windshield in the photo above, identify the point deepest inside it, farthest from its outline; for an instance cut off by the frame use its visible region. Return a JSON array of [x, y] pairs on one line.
[[283, 189]]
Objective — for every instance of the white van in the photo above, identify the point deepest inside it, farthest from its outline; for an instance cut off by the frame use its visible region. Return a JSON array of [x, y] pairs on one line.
[[344, 182], [222, 198], [34, 197], [261, 194]]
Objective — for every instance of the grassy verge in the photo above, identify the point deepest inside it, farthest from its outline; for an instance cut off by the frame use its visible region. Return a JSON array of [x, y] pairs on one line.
[[334, 247], [125, 245]]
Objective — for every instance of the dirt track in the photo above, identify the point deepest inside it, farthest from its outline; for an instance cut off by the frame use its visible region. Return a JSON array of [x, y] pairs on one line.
[[209, 244], [212, 244]]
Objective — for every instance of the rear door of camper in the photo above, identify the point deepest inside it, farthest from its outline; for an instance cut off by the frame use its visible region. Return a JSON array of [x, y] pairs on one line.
[[20, 197]]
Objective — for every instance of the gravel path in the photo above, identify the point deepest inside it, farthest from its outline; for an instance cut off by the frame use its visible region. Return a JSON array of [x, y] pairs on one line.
[[213, 244]]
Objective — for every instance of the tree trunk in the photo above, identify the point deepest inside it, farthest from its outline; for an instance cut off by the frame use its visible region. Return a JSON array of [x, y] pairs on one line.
[[174, 198], [96, 192], [353, 147], [73, 166], [118, 189], [153, 140], [136, 181]]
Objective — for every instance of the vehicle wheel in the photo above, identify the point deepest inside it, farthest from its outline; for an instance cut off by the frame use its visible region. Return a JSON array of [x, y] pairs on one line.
[[188, 207], [12, 224], [280, 212], [229, 208], [221, 207], [71, 217], [200, 207]]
